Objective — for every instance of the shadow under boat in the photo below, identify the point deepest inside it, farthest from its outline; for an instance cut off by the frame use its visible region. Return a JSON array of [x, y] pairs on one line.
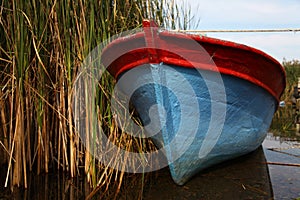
[[246, 177]]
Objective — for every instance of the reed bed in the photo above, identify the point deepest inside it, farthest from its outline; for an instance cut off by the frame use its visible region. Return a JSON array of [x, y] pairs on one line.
[[292, 69], [284, 119], [42, 46]]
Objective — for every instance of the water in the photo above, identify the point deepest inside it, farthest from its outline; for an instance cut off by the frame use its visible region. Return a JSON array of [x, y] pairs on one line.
[[285, 179], [263, 174], [48, 186], [266, 173]]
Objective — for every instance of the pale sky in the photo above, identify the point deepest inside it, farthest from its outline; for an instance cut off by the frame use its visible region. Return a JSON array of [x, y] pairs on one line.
[[253, 14]]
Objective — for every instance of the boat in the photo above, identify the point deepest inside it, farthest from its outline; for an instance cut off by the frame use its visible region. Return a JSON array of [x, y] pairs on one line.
[[201, 100]]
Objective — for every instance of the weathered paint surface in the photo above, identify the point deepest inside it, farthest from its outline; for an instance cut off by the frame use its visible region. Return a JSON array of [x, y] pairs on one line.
[[156, 46], [184, 115], [179, 107]]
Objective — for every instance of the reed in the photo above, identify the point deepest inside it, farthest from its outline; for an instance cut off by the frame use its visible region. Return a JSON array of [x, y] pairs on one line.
[[284, 119], [42, 46], [292, 69]]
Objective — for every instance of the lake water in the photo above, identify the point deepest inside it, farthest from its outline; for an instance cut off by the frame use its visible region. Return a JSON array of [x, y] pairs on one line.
[[271, 172], [263, 174], [285, 179]]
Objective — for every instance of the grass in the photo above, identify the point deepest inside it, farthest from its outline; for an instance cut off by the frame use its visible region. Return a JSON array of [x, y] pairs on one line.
[[42, 46]]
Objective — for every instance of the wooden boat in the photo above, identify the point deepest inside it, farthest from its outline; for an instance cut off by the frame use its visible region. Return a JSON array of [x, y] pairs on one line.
[[202, 100]]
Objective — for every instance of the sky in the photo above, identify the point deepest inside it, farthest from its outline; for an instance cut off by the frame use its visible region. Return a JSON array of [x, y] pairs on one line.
[[254, 14]]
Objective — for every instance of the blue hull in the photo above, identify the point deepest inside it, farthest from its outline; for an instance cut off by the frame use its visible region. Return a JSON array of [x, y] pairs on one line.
[[199, 119]]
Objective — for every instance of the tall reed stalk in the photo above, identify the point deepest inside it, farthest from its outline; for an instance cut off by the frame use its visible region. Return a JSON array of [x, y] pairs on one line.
[[43, 44]]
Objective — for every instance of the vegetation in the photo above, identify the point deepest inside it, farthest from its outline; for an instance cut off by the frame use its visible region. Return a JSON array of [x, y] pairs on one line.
[[292, 69], [42, 46], [284, 119]]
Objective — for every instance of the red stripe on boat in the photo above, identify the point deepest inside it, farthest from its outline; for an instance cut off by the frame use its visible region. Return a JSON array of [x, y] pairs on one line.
[[155, 46]]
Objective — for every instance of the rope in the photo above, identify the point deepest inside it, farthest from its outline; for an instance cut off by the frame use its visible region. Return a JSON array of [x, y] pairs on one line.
[[240, 31]]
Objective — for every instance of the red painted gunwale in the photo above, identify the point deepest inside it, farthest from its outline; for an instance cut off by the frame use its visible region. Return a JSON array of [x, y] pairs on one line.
[[159, 46]]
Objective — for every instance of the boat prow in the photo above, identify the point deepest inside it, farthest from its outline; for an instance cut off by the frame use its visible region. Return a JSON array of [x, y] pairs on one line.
[[202, 100]]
